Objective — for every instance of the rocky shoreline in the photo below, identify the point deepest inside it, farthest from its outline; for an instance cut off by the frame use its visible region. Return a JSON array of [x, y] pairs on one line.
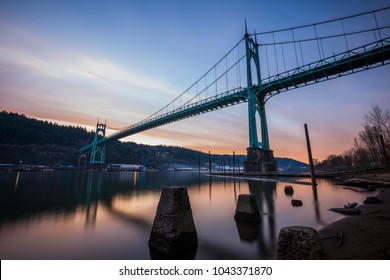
[[365, 236]]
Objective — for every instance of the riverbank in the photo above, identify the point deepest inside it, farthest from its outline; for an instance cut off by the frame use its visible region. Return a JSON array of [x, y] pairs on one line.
[[365, 236]]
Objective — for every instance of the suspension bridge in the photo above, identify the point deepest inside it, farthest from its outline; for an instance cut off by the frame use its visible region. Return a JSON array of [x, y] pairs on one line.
[[262, 65]]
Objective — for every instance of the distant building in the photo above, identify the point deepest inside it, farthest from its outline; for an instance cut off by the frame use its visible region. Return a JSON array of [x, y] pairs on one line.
[[125, 167]]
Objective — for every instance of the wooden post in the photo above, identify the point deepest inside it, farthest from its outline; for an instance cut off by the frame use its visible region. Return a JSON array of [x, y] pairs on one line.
[[312, 174], [209, 163], [234, 162]]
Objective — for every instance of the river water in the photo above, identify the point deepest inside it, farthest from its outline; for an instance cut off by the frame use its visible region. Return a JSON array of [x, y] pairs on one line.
[[100, 215]]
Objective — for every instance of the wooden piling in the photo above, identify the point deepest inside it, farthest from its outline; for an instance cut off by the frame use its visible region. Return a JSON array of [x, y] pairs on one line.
[[312, 173], [209, 162], [234, 162]]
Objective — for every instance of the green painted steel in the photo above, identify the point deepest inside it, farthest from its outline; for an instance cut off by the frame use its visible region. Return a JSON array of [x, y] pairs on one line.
[[355, 60], [98, 153], [256, 102], [251, 53], [260, 102]]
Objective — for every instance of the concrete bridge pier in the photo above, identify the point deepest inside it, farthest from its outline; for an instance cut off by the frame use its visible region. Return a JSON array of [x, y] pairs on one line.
[[259, 162]]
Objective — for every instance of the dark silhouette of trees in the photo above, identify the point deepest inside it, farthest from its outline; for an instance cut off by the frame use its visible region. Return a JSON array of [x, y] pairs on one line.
[[371, 145], [376, 126]]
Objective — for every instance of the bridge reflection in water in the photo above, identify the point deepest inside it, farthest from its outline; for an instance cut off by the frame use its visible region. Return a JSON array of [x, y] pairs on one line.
[[74, 215]]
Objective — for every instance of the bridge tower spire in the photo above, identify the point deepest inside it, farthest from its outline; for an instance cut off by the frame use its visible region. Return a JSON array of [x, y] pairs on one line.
[[260, 159], [98, 151]]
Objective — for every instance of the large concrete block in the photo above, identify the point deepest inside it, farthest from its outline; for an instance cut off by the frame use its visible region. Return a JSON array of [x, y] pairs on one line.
[[296, 202], [246, 209], [299, 243], [289, 190], [259, 162], [173, 228]]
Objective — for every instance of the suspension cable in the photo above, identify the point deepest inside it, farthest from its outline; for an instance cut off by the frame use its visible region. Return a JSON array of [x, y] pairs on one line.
[[326, 37], [321, 22]]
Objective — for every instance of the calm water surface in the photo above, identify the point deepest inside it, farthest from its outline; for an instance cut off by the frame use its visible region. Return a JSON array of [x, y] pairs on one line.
[[91, 215]]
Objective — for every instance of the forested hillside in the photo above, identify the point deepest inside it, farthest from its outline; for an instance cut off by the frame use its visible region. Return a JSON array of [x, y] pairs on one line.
[[31, 141], [38, 142]]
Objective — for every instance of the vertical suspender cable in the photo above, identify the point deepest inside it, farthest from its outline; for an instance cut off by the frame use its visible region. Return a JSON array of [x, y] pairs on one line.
[[318, 44], [377, 26], [227, 77], [266, 56], [276, 55], [284, 62], [300, 46], [237, 66], [196, 89], [322, 48], [215, 80], [295, 48], [345, 37], [205, 86]]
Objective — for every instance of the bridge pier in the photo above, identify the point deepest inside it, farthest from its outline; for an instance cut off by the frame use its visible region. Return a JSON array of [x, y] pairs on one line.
[[259, 161]]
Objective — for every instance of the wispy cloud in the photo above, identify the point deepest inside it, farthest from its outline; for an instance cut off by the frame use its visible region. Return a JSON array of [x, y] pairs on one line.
[[34, 73], [104, 70]]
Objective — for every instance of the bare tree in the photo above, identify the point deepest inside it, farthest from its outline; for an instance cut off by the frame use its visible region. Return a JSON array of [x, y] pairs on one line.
[[359, 154], [379, 118], [372, 144], [377, 125]]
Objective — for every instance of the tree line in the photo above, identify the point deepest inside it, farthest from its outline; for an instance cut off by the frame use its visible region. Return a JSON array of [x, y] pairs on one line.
[[25, 140], [372, 145]]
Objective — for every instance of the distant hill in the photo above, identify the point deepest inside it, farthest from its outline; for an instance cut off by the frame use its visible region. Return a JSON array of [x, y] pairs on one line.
[[31, 141], [291, 165]]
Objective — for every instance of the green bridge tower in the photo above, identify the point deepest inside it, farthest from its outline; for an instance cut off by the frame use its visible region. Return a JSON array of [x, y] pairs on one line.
[[98, 150], [260, 159]]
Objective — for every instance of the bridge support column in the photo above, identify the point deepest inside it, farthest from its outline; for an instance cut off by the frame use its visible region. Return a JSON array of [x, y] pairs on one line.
[[260, 159], [98, 153]]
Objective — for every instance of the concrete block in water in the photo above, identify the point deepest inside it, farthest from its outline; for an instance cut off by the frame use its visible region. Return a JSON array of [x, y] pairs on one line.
[[296, 202], [247, 231], [246, 209], [289, 190], [173, 228], [299, 243]]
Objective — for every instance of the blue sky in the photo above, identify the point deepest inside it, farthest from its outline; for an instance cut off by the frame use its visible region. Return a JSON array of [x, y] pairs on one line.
[[76, 61]]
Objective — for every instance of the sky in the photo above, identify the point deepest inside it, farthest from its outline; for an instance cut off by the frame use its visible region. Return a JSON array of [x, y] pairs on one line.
[[73, 62]]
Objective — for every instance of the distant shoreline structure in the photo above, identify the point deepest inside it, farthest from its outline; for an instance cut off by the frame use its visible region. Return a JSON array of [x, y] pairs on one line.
[[124, 167]]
